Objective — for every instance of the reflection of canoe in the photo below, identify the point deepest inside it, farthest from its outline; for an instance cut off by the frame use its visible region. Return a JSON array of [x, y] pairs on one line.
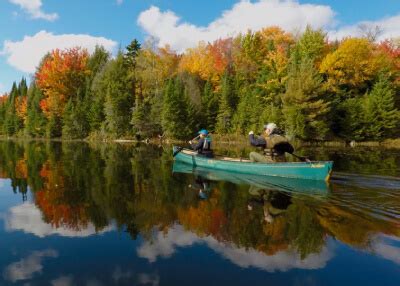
[[316, 170], [263, 182]]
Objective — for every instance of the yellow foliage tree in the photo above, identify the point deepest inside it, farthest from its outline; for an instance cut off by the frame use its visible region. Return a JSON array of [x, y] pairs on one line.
[[352, 66]]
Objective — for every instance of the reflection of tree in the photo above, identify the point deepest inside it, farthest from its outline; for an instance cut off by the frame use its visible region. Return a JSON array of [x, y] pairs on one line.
[[76, 184]]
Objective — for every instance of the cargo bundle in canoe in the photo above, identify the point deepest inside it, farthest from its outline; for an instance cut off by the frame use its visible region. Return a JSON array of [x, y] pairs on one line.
[[314, 170]]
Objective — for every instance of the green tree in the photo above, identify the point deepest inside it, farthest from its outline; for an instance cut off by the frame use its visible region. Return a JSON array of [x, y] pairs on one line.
[[177, 115], [227, 105], [116, 89], [304, 108], [36, 121], [380, 115], [210, 103], [312, 44], [247, 115]]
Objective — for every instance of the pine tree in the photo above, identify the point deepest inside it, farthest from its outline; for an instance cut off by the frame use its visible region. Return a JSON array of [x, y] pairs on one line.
[[227, 105], [210, 104], [247, 116], [177, 113], [304, 109], [75, 125], [380, 115], [118, 99], [36, 121], [311, 44], [12, 123]]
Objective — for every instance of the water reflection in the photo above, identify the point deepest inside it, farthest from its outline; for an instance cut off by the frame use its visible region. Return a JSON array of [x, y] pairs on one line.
[[81, 191]]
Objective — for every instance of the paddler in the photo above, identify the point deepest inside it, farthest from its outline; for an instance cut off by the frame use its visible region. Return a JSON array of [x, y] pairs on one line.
[[274, 145]]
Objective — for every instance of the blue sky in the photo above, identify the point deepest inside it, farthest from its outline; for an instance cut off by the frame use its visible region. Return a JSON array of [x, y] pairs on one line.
[[29, 28]]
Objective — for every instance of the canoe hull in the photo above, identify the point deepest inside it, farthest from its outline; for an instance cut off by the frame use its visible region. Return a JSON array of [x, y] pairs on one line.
[[316, 170], [290, 185]]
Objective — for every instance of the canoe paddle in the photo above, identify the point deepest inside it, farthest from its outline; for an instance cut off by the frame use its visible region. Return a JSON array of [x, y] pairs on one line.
[[301, 158], [179, 149]]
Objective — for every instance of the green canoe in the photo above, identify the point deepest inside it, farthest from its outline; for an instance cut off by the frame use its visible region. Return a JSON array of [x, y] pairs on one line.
[[315, 170], [302, 186]]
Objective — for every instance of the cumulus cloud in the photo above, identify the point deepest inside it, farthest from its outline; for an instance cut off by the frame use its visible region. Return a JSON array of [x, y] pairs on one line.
[[34, 9], [26, 54], [390, 28], [290, 15], [28, 218], [26, 267], [164, 245], [169, 28]]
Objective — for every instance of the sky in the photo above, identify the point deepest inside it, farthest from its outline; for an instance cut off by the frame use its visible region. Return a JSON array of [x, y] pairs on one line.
[[31, 28]]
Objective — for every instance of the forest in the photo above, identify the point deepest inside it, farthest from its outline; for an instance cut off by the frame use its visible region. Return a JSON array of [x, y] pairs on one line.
[[313, 88]]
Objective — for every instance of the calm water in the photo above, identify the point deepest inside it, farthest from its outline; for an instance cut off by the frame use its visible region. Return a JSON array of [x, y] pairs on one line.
[[76, 214]]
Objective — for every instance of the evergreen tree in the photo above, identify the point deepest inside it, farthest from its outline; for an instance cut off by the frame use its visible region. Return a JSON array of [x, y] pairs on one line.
[[227, 105], [247, 116], [36, 121], [12, 123], [177, 112], [311, 44], [75, 125], [118, 100], [349, 117], [210, 104], [304, 110], [380, 115]]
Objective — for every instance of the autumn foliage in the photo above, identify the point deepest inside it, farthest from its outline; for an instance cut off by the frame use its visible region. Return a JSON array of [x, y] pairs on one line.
[[60, 77]]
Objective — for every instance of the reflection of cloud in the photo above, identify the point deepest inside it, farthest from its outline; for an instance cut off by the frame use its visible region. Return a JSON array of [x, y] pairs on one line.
[[27, 217], [119, 274], [149, 279], [25, 268], [4, 182], [387, 251], [63, 281], [165, 245]]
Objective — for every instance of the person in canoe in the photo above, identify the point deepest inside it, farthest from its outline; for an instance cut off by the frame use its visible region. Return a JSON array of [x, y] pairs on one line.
[[273, 144], [203, 145]]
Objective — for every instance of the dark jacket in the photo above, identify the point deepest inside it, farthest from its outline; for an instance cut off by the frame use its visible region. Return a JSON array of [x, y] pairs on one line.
[[203, 146], [257, 141]]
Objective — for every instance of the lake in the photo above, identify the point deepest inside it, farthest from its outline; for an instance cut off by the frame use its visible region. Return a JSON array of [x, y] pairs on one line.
[[125, 214]]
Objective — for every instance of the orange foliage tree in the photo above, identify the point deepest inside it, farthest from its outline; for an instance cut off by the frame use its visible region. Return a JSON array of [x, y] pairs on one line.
[[59, 77], [208, 61]]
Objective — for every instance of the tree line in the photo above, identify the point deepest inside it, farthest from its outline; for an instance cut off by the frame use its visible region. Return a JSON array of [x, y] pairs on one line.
[[313, 88]]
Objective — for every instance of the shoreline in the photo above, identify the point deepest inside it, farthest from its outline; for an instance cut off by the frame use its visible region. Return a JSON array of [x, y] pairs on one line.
[[218, 139]]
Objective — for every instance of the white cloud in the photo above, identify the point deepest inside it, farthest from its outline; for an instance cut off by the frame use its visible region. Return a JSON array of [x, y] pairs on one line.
[[28, 218], [164, 245], [119, 2], [290, 15], [169, 28], [26, 54], [26, 267], [34, 9], [390, 28]]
